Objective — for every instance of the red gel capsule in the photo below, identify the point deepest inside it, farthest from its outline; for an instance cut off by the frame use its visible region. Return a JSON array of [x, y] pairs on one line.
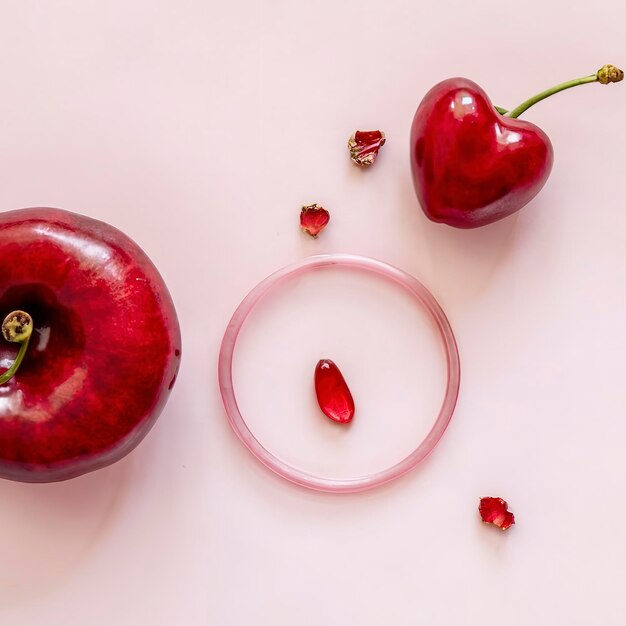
[[496, 511], [332, 392]]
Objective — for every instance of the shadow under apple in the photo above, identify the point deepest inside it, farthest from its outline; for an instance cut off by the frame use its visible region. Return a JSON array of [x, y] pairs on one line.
[[47, 530]]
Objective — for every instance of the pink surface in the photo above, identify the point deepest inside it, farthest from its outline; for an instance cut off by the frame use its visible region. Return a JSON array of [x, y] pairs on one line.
[[200, 129]]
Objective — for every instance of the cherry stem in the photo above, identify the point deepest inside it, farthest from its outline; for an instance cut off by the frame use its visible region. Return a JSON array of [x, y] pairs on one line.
[[16, 328], [606, 74]]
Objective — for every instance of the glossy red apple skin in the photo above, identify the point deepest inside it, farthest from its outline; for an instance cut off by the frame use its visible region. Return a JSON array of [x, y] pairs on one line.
[[472, 166], [104, 354]]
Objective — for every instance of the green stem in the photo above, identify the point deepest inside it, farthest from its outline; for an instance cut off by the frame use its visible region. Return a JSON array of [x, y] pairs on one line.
[[606, 74], [518, 110], [6, 377], [16, 328], [501, 110]]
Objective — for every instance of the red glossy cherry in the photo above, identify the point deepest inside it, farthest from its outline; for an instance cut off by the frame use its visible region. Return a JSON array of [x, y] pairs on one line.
[[332, 392], [472, 166], [104, 352]]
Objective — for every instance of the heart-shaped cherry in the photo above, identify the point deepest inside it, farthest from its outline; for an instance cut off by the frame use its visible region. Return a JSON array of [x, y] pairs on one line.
[[473, 163]]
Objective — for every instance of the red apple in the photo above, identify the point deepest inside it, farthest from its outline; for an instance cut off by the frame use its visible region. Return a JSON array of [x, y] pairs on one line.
[[105, 349]]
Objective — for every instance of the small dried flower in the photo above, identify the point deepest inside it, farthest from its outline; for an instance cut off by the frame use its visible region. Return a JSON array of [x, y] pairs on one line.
[[496, 511], [313, 219], [364, 146]]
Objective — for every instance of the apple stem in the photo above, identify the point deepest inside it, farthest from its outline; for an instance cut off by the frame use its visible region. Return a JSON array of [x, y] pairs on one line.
[[16, 328], [606, 74]]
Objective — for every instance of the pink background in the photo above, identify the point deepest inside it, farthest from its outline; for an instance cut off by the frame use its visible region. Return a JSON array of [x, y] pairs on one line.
[[199, 128]]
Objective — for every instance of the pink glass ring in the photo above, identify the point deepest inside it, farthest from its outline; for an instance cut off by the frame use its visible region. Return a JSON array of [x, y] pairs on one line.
[[295, 474]]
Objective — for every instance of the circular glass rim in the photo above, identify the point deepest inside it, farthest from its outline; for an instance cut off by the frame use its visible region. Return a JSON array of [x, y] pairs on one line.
[[295, 474]]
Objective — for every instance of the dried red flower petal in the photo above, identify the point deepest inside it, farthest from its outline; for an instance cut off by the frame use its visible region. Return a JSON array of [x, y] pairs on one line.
[[496, 511], [313, 219], [332, 392], [364, 146]]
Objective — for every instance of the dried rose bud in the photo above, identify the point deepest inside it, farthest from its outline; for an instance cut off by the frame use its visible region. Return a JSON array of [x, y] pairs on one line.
[[313, 219], [496, 511], [364, 146]]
